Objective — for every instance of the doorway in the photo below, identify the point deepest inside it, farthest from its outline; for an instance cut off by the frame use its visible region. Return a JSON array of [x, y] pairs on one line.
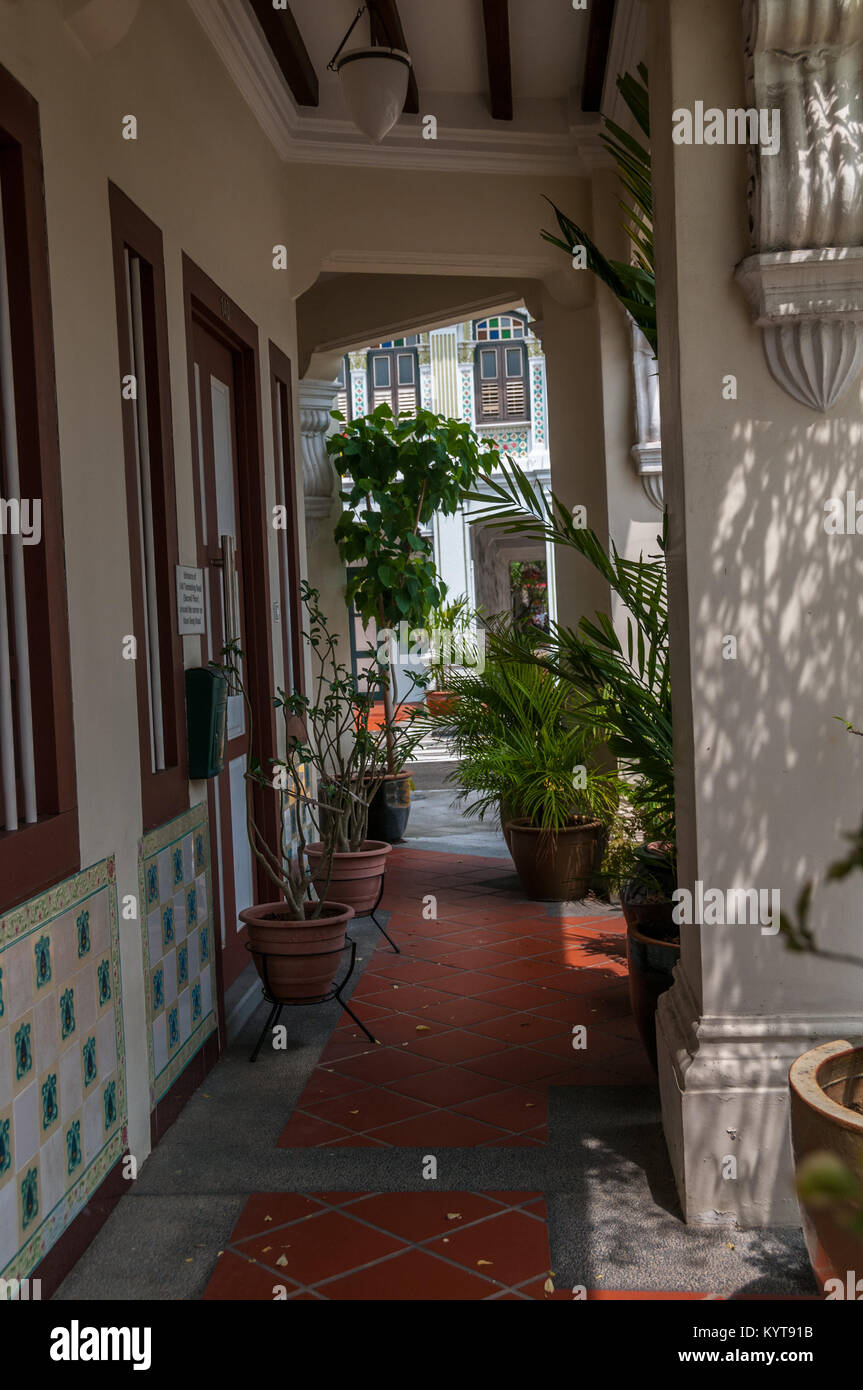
[[231, 519]]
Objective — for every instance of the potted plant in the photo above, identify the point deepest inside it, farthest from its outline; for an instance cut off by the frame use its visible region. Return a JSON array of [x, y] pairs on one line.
[[398, 473], [452, 635], [296, 941], [524, 754], [826, 1086], [622, 683], [339, 741]]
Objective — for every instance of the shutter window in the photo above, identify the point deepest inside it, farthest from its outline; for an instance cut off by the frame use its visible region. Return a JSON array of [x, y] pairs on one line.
[[501, 381], [393, 379]]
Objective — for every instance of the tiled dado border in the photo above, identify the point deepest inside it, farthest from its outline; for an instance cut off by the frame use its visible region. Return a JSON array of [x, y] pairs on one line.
[[60, 997], [175, 885]]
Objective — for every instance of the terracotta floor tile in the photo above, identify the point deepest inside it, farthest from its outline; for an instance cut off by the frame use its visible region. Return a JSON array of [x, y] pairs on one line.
[[324, 1084], [419, 1216], [404, 998], [521, 1029], [265, 1211], [406, 1028], [522, 970], [386, 1064], [529, 997], [455, 1046], [480, 957], [514, 1243], [321, 1247], [353, 1141], [368, 1110], [411, 972], [447, 1086], [468, 982], [457, 1011], [442, 1127], [237, 1280], [516, 1109], [517, 1065], [413, 1275]]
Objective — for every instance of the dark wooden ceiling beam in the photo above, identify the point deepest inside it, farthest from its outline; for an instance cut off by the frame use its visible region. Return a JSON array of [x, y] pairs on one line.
[[286, 41], [601, 24], [495, 15], [387, 29]]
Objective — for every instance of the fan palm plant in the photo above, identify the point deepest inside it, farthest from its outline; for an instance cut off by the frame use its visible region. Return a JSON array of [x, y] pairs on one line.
[[620, 685], [634, 285]]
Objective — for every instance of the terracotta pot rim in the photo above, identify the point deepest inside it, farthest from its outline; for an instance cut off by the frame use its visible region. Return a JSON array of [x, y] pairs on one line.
[[389, 777], [371, 849], [523, 823], [331, 912], [804, 1081], [650, 940]]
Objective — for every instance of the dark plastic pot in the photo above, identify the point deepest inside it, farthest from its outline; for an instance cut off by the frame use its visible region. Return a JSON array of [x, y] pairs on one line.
[[553, 866], [651, 957], [389, 809], [825, 1084], [357, 875], [297, 960]]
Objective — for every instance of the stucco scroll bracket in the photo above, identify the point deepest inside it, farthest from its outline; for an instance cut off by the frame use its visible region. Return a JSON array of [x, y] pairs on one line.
[[810, 306], [804, 278]]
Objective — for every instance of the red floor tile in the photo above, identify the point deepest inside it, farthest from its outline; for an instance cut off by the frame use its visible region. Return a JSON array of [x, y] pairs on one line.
[[516, 1109], [413, 1275], [443, 1127], [448, 1086], [501, 1248]]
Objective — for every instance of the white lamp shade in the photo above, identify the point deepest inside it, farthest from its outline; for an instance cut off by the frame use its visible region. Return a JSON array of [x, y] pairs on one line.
[[99, 25], [375, 84]]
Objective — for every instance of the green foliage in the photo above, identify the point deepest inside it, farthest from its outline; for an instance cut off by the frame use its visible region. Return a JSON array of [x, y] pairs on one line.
[[825, 1181], [328, 736], [514, 729], [633, 285], [623, 687], [399, 472]]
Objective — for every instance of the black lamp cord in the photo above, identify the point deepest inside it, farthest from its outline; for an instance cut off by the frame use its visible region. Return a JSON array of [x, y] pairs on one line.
[[373, 15]]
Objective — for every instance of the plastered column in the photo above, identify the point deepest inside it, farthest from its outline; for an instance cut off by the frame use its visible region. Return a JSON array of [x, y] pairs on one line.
[[766, 777]]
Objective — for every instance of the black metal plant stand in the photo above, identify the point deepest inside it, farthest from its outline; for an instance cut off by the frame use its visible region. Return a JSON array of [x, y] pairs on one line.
[[335, 993], [381, 929]]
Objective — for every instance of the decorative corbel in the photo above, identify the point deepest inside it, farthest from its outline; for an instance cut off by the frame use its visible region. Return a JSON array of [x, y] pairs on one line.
[[317, 399], [804, 279]]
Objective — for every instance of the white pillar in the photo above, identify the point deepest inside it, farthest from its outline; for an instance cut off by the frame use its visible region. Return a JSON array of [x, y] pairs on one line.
[[767, 779], [317, 400]]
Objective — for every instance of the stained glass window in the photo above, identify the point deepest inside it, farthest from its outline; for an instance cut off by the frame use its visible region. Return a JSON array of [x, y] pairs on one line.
[[500, 328]]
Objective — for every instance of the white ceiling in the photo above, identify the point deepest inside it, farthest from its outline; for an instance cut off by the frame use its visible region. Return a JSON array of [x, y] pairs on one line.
[[446, 39]]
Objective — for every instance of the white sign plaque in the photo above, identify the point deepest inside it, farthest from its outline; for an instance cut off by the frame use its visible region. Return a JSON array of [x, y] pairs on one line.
[[191, 620]]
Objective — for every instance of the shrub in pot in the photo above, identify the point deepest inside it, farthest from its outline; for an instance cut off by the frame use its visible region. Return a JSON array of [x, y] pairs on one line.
[[399, 472], [296, 940]]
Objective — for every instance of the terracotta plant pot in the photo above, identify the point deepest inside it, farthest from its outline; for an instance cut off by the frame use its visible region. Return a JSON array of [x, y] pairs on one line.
[[297, 960], [357, 875], [553, 867], [827, 1118], [651, 962], [389, 809], [440, 701]]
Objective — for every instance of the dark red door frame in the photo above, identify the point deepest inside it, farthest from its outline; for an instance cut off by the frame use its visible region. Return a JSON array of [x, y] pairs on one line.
[[208, 306], [286, 495]]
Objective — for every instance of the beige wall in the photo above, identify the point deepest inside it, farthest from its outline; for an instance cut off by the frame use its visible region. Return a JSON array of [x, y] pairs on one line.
[[203, 171]]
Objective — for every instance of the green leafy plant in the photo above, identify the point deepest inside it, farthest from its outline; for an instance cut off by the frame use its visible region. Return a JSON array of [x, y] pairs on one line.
[[452, 629], [328, 739], [399, 473], [520, 746], [633, 285], [621, 686]]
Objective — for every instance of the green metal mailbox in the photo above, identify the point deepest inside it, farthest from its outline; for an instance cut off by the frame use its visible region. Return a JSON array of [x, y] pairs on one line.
[[206, 721]]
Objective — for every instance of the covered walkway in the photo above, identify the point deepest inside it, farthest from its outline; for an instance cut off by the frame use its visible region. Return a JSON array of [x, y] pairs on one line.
[[309, 1175]]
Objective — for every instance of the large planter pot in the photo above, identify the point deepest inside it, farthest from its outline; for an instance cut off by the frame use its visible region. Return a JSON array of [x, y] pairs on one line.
[[553, 866], [651, 961], [297, 960], [827, 1118], [440, 701], [389, 809], [357, 875]]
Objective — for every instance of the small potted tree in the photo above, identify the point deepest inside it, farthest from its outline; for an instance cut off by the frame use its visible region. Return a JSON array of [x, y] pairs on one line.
[[398, 473], [451, 636], [347, 754]]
